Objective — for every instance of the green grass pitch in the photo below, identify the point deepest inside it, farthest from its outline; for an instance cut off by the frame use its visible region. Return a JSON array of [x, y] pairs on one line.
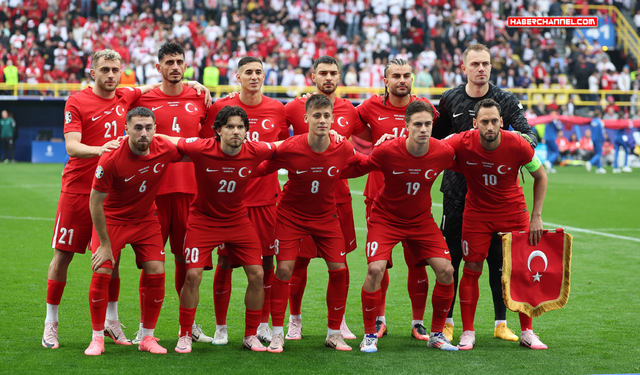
[[597, 332]]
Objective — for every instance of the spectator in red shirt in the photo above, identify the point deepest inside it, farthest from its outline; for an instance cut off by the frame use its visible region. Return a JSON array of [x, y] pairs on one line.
[[417, 42], [563, 145]]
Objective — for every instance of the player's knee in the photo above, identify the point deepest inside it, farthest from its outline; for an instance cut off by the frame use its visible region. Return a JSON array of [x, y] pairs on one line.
[[284, 270], [61, 259], [473, 266], [192, 278]]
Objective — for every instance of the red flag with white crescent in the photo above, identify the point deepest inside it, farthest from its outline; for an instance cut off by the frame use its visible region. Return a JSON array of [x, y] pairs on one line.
[[536, 279]]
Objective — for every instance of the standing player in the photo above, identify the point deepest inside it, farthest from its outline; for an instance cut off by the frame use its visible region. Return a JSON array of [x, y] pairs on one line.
[[308, 207], [597, 136], [180, 112], [267, 124], [490, 159], [123, 212], [456, 115], [218, 215], [326, 75], [94, 118], [402, 212], [385, 115]]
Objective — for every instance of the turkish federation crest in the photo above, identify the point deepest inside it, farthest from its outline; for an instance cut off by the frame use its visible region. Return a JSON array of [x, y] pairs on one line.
[[536, 279]]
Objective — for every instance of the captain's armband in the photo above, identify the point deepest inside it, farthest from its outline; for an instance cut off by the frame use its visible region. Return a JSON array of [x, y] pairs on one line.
[[534, 164]]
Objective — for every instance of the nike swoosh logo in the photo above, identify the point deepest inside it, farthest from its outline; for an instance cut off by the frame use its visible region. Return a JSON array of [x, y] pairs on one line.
[[457, 114], [339, 308], [272, 246], [382, 118], [423, 281], [222, 292], [301, 172], [156, 301], [342, 253], [371, 309], [470, 163], [97, 300], [95, 118], [154, 108], [394, 172], [128, 179], [267, 286], [211, 170], [352, 241], [162, 252]]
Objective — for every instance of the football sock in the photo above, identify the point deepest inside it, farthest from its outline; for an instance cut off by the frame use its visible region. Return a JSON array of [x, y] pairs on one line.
[[98, 334], [370, 301], [298, 283], [332, 332], [251, 321], [112, 310], [469, 294], [450, 321], [441, 302], [455, 250], [54, 295], [98, 299], [414, 322], [186, 319], [384, 285], [221, 294], [299, 317], [147, 332], [336, 297], [279, 297], [418, 286], [142, 285], [114, 294], [498, 322], [179, 276], [154, 296], [268, 284], [278, 330], [382, 319], [263, 325], [526, 322]]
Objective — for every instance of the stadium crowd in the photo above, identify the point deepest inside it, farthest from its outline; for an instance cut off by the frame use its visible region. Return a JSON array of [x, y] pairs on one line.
[[52, 41]]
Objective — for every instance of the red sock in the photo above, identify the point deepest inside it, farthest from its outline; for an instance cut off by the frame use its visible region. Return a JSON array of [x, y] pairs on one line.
[[384, 285], [418, 286], [99, 299], [154, 295], [441, 301], [186, 319], [221, 294], [54, 291], [526, 322], [267, 281], [336, 297], [180, 274], [348, 278], [469, 294], [298, 283], [279, 297], [251, 322], [370, 301], [142, 285], [114, 289]]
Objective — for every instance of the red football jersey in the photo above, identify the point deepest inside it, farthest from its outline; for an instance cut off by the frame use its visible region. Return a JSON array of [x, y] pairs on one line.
[[267, 123], [382, 119], [132, 181], [493, 190], [310, 192], [346, 122], [222, 179], [100, 121], [405, 198], [177, 116]]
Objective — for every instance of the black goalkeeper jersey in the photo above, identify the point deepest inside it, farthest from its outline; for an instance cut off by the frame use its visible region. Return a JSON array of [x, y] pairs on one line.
[[456, 115]]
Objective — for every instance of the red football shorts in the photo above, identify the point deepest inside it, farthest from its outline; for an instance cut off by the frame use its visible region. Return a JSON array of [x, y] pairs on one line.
[[145, 239], [173, 212], [476, 236], [244, 249], [424, 239], [345, 214], [263, 219], [326, 234], [73, 223]]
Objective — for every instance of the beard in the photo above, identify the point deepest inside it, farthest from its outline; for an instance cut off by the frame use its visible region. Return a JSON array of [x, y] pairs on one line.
[[103, 86], [328, 91], [396, 92], [142, 147]]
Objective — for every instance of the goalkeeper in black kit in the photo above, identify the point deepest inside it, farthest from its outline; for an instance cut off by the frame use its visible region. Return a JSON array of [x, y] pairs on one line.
[[456, 115]]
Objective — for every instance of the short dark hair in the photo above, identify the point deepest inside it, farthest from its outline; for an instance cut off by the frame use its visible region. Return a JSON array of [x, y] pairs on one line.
[[247, 60], [223, 117], [417, 106], [140, 112], [170, 48], [317, 101], [326, 59], [486, 103]]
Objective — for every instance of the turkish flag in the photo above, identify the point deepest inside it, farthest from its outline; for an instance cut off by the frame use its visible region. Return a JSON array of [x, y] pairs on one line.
[[536, 279]]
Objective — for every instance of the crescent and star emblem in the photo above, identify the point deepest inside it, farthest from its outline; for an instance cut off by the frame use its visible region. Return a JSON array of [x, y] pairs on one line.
[[264, 122], [426, 175], [329, 171], [186, 107], [537, 253], [342, 118], [240, 172], [156, 166], [501, 172], [118, 108]]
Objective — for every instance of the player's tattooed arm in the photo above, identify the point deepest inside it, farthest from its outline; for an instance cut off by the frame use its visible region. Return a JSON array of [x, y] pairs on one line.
[[540, 182], [104, 252], [77, 149]]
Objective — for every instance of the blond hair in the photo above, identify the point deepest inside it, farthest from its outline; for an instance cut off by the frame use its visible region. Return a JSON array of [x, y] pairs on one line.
[[107, 55], [476, 48]]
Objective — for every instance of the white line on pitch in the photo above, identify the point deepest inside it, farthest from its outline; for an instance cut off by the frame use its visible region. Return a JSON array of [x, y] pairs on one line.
[[574, 229], [26, 218]]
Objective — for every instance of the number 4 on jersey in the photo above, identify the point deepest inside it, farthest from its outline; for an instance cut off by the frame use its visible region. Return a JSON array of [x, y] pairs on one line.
[[175, 126]]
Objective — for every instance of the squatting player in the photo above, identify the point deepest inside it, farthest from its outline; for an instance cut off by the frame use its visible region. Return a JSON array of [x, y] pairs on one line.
[[308, 207], [326, 75], [456, 115], [123, 211], [267, 124], [385, 115], [179, 111], [402, 212], [223, 166], [490, 159]]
